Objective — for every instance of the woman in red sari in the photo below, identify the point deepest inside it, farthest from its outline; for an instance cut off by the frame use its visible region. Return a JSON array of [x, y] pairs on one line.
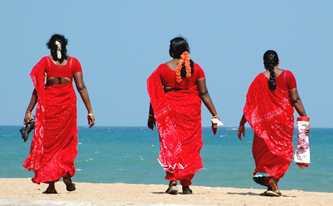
[[176, 89], [53, 147], [269, 111]]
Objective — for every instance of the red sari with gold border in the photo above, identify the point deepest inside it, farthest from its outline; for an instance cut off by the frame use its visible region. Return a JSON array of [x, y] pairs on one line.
[[53, 147], [178, 117], [271, 116]]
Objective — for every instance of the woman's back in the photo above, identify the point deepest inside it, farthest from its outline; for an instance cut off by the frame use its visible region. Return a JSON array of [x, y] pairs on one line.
[[60, 73], [168, 77], [284, 79]]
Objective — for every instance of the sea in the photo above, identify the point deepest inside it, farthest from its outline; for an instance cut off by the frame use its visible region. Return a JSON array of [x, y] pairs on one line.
[[129, 155]]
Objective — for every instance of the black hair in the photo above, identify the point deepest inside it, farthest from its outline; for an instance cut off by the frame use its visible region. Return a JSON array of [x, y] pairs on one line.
[[179, 45], [271, 59], [53, 47]]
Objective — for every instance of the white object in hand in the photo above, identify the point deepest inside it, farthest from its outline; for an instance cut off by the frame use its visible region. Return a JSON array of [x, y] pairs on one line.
[[219, 123]]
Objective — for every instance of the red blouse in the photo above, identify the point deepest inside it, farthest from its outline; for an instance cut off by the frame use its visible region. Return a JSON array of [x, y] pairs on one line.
[[286, 81], [72, 66], [168, 77]]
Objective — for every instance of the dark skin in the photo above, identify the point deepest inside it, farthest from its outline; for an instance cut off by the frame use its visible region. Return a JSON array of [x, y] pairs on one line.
[[203, 94], [295, 102], [81, 88]]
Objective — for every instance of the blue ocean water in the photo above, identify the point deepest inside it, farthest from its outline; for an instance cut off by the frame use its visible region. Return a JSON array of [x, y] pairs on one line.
[[129, 155]]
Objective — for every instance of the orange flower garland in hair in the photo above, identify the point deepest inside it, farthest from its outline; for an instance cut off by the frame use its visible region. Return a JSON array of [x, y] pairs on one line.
[[185, 57]]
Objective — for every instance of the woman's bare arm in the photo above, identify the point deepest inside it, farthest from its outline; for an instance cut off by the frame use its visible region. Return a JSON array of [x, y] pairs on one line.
[[151, 119], [296, 102], [241, 128], [82, 89], [31, 106], [205, 97]]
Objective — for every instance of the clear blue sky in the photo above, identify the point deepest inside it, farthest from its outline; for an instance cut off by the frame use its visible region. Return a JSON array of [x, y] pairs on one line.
[[120, 43]]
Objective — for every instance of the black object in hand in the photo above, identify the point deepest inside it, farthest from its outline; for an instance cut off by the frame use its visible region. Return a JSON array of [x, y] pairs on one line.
[[26, 129]]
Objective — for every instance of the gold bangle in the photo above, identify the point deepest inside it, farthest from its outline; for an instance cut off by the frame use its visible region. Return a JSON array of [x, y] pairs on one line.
[[28, 111], [151, 115], [215, 116], [90, 114]]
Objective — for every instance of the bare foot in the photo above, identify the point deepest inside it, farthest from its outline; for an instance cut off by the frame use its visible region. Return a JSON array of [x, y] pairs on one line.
[[273, 184], [173, 189], [50, 189], [70, 186], [187, 190]]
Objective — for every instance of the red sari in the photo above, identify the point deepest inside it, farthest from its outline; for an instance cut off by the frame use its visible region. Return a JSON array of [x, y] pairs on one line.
[[178, 117], [270, 115], [53, 147]]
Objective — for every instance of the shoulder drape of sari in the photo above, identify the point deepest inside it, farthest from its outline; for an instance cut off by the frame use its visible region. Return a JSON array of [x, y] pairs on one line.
[[33, 161], [270, 115], [178, 117]]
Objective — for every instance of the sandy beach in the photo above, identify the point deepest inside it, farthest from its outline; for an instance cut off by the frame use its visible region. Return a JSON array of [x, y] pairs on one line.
[[24, 189]]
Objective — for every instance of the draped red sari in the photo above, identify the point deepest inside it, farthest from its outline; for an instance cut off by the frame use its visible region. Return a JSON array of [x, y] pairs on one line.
[[270, 115], [53, 147], [178, 117]]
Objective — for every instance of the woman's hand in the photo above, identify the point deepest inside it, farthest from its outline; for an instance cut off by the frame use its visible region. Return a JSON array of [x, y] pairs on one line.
[[27, 117], [214, 128], [241, 130], [215, 125], [91, 119], [151, 122], [307, 131]]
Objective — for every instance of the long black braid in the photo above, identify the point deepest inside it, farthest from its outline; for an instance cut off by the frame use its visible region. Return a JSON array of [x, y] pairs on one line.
[[271, 59]]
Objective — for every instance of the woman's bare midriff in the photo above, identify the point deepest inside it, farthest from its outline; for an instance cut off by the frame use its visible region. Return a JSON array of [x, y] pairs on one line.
[[57, 80], [170, 89]]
